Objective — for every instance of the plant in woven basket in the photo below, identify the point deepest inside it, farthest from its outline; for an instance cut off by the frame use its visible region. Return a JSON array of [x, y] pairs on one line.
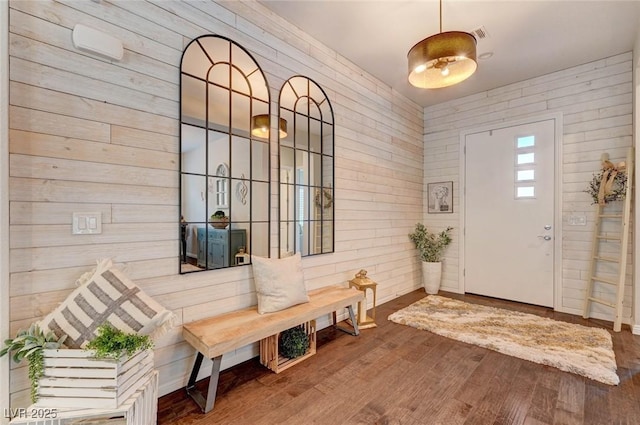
[[29, 344], [293, 342], [219, 220], [430, 245], [618, 188], [114, 343]]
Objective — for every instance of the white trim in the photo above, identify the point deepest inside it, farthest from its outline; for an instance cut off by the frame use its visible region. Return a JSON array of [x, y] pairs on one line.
[[557, 234], [4, 200], [635, 293]]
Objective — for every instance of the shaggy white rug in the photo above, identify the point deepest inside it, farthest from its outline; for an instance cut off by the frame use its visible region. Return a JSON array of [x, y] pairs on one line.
[[573, 348]]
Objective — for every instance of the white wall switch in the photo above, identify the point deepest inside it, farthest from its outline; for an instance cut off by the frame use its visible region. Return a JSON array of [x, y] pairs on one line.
[[577, 220], [87, 223]]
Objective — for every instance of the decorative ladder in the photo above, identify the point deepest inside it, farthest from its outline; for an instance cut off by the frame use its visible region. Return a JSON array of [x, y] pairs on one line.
[[596, 257]]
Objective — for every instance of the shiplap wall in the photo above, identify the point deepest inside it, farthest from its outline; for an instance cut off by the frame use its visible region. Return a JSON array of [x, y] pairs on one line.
[[90, 135], [595, 100], [635, 211], [4, 202]]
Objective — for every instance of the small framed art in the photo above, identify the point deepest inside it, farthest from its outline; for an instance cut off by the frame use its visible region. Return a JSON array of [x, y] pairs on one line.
[[440, 197]]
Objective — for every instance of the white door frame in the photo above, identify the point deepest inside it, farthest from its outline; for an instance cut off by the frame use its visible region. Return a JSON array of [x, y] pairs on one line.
[[557, 198]]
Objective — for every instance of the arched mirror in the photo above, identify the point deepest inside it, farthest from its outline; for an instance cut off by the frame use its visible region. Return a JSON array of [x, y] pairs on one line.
[[224, 168], [306, 169]]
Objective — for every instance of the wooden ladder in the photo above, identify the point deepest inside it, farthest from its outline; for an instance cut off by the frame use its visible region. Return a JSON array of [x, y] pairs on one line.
[[621, 260]]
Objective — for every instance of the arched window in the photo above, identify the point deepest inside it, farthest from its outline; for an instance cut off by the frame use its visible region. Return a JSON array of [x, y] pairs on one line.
[[222, 186]]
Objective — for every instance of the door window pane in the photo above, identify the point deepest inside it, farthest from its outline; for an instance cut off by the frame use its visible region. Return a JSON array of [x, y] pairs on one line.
[[525, 192], [526, 158], [526, 141], [524, 175]]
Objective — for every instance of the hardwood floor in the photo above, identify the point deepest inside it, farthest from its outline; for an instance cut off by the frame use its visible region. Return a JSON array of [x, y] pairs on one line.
[[394, 374]]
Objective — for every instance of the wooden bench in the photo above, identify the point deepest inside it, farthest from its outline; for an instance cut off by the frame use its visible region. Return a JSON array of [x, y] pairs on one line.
[[214, 336]]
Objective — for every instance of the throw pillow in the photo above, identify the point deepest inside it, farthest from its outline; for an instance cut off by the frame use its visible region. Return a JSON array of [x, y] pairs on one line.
[[107, 296], [279, 283]]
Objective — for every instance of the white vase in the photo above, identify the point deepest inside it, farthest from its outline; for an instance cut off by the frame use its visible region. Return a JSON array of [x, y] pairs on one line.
[[431, 275]]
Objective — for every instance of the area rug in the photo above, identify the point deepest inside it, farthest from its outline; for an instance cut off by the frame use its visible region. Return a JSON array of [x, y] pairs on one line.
[[569, 347]]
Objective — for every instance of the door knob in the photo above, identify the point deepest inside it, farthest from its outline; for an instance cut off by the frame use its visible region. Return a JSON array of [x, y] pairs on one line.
[[545, 237], [547, 227]]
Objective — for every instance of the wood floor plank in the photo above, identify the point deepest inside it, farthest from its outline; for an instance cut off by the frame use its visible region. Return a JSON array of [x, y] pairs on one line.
[[398, 375], [570, 402], [493, 391], [516, 405], [543, 403], [622, 406], [596, 405]]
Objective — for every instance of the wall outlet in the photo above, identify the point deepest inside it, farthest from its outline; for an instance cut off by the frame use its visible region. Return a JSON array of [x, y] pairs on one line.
[[577, 220], [87, 223]]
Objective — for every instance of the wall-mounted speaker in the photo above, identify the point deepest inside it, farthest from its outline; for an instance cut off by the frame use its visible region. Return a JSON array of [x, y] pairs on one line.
[[94, 41]]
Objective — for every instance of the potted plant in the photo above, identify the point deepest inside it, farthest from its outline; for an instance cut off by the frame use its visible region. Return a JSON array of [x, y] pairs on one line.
[[218, 220], [114, 343], [293, 342], [29, 345], [431, 247], [104, 373]]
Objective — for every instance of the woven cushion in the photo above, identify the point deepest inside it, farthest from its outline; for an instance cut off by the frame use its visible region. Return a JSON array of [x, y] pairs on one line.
[[107, 296], [279, 283]]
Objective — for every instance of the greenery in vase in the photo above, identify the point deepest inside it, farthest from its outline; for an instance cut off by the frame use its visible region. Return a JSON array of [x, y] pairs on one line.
[[114, 343], [430, 245], [29, 344], [293, 342]]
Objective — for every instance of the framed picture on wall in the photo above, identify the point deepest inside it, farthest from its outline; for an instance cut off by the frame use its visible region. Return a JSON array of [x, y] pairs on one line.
[[440, 197]]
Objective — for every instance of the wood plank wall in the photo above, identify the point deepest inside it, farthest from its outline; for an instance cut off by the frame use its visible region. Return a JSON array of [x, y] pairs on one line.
[[87, 134], [595, 100], [4, 200]]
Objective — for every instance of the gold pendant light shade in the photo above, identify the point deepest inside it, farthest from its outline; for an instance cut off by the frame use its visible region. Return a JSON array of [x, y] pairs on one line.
[[442, 60], [260, 126]]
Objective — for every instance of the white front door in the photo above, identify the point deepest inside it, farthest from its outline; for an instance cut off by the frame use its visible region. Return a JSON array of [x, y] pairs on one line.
[[509, 213]]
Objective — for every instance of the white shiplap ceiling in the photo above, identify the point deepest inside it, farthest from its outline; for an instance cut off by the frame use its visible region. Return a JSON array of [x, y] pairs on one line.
[[527, 38]]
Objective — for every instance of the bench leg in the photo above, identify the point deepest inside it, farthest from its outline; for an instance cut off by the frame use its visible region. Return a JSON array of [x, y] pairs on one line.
[[206, 404], [352, 317]]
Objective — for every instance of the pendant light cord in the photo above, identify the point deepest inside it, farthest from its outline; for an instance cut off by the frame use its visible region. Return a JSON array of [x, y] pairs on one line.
[[440, 15]]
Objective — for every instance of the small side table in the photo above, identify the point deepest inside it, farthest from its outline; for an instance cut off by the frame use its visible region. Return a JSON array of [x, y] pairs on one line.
[[361, 282]]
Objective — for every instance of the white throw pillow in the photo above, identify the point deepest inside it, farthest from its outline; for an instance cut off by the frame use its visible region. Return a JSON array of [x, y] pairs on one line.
[[108, 295], [279, 283]]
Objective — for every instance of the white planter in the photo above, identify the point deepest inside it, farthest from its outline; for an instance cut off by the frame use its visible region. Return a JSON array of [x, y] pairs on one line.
[[74, 378], [431, 275], [139, 409]]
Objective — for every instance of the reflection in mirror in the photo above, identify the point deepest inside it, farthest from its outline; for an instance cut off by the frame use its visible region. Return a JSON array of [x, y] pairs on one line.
[[306, 169], [224, 169]]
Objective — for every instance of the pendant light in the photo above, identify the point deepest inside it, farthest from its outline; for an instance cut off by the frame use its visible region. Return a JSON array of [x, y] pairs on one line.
[[260, 125], [442, 60]]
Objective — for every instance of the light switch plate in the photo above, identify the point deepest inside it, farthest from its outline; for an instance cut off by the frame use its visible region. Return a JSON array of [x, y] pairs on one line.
[[87, 223], [577, 220]]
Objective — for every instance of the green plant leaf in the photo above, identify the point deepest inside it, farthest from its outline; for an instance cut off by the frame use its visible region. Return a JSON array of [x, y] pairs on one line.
[[32, 351], [29, 344], [114, 343], [430, 245]]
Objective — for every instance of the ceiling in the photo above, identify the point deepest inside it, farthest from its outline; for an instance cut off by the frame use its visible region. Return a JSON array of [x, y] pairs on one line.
[[527, 38]]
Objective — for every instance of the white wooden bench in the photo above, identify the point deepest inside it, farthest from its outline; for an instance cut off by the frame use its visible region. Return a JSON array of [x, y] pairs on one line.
[[214, 336]]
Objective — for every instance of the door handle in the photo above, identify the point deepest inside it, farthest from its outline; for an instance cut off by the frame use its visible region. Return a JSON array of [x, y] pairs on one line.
[[545, 237]]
